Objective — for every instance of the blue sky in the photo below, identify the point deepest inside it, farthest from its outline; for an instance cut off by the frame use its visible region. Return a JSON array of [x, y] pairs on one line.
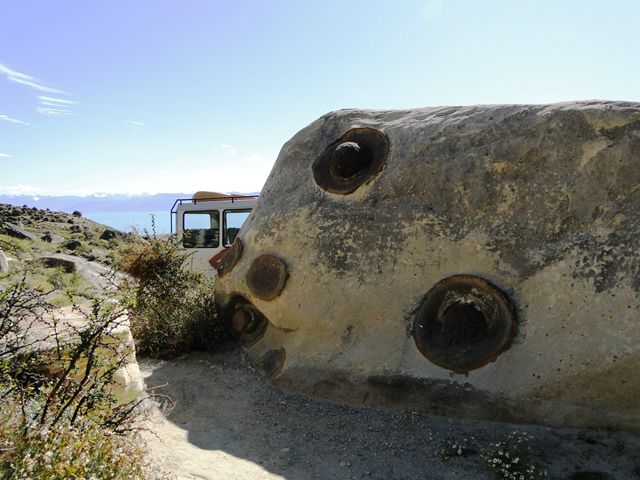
[[158, 95]]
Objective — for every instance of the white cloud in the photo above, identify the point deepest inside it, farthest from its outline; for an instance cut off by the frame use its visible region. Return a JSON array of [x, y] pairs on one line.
[[55, 101], [229, 149], [5, 155], [137, 124], [28, 80], [7, 118], [55, 112], [50, 106]]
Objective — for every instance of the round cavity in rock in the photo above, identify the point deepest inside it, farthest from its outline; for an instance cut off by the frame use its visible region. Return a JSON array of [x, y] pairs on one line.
[[349, 160], [228, 259], [463, 323], [244, 320], [352, 160], [266, 277]]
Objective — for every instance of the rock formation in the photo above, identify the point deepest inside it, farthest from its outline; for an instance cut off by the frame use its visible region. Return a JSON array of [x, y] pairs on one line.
[[474, 261]]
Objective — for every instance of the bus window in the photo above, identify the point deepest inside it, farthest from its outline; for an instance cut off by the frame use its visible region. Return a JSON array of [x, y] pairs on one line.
[[233, 220], [200, 229]]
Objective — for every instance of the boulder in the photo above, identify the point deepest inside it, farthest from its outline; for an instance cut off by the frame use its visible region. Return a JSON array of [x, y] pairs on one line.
[[4, 264], [471, 261], [110, 233], [116, 347], [51, 238], [67, 265], [17, 232], [72, 244]]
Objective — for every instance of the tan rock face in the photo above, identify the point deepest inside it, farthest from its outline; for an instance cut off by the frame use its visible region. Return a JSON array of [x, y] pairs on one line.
[[474, 261]]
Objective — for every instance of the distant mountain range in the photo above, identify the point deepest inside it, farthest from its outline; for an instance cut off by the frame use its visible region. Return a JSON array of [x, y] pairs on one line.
[[100, 202]]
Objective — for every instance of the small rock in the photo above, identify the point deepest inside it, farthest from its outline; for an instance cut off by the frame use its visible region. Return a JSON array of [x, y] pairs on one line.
[[75, 229], [72, 244], [109, 233], [51, 238], [76, 213]]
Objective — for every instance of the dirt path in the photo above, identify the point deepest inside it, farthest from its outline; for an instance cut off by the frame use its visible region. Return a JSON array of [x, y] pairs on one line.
[[228, 423]]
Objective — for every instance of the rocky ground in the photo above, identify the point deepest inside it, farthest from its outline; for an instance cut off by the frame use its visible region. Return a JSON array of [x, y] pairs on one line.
[[227, 422], [66, 251]]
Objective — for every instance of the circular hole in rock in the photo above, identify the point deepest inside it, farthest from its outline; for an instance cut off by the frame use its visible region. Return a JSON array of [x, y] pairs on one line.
[[351, 160], [463, 323], [244, 320]]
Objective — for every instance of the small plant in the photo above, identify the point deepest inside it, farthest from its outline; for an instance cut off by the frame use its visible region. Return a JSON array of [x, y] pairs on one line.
[[452, 448], [171, 307], [511, 458]]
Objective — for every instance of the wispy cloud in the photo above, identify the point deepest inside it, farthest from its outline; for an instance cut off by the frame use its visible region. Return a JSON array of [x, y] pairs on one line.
[[229, 149], [55, 107], [56, 101], [9, 119], [28, 80], [137, 124], [55, 112], [5, 155], [47, 105]]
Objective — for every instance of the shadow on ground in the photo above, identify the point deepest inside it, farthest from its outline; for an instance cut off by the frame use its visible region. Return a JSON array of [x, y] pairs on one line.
[[229, 423]]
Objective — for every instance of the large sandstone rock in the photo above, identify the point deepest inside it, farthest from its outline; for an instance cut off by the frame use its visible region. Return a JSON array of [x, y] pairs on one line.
[[474, 261], [4, 264], [115, 347]]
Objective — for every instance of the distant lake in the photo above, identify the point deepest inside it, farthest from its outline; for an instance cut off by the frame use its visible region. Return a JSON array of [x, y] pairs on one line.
[[129, 221]]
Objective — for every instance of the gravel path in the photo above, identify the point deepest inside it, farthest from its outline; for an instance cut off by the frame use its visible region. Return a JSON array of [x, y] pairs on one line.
[[228, 423]]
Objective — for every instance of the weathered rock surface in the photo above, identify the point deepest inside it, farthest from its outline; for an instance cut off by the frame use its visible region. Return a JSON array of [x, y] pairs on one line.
[[72, 244], [473, 261], [17, 232], [4, 264], [69, 266], [115, 348], [110, 233]]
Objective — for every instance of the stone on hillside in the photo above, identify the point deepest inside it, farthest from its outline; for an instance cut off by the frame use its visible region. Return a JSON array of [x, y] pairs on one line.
[[110, 233], [72, 244], [4, 264], [75, 229], [474, 261], [53, 262], [52, 238], [77, 213], [17, 232]]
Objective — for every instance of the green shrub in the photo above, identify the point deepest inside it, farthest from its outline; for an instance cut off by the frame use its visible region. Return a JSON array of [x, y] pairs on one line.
[[59, 417], [171, 307]]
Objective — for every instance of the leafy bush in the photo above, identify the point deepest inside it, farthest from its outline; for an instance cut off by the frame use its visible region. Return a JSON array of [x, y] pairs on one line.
[[171, 307], [59, 416]]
